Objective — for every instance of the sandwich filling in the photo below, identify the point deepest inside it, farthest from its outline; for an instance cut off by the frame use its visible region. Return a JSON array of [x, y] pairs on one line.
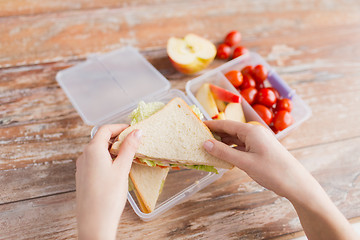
[[145, 110]]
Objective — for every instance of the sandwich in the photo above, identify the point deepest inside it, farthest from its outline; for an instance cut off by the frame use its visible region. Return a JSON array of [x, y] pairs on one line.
[[147, 183], [173, 137]]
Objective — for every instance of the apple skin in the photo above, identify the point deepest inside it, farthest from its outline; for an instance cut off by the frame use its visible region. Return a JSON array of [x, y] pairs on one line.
[[220, 116], [224, 95]]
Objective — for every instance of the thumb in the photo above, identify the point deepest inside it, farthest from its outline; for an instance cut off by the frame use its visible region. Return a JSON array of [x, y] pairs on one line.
[[228, 154], [127, 150]]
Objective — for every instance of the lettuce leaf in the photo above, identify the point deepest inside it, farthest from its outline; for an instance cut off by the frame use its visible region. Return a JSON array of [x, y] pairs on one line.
[[145, 110], [203, 168], [197, 111], [148, 162]]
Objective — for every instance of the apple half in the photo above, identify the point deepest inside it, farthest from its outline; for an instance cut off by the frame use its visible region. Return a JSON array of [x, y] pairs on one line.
[[190, 54]]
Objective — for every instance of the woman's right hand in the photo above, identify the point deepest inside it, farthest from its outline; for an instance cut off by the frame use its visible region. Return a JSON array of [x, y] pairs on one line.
[[260, 155], [266, 161]]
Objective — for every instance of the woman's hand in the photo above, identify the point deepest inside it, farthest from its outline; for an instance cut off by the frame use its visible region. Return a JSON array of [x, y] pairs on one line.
[[259, 154], [102, 183], [266, 161]]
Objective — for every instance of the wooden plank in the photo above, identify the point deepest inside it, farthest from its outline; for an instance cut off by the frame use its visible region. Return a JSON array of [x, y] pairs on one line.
[[33, 7], [234, 207], [61, 36], [49, 124], [44, 129], [37, 180]]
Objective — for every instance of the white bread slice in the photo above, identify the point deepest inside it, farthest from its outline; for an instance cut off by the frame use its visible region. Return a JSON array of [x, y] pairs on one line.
[[173, 134], [147, 182]]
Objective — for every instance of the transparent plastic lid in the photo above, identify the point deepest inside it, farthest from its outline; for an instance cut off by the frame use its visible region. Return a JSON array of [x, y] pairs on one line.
[[106, 85]]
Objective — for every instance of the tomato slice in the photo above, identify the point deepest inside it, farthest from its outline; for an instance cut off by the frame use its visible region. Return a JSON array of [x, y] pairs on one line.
[[162, 166]]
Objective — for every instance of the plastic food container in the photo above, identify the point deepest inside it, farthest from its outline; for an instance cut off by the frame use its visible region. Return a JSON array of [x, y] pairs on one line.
[[300, 112], [106, 88]]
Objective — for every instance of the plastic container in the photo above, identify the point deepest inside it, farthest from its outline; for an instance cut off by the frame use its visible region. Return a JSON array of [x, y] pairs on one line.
[[106, 88], [300, 112]]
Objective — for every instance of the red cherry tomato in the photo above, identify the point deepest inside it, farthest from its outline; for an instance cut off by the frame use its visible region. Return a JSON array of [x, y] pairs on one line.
[[259, 73], [249, 94], [235, 77], [223, 51], [264, 113], [238, 51], [260, 85], [248, 81], [266, 97], [284, 104], [247, 70], [282, 120], [274, 129], [276, 92], [232, 38]]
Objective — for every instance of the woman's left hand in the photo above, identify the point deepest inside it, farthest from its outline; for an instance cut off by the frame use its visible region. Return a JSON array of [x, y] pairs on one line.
[[102, 183]]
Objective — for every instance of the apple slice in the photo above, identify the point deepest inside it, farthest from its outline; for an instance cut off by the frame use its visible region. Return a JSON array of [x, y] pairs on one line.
[[190, 54], [234, 111], [220, 116], [255, 123], [206, 99], [221, 105], [224, 95]]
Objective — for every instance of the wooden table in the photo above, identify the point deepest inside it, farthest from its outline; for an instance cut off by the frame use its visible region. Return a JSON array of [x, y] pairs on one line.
[[314, 46]]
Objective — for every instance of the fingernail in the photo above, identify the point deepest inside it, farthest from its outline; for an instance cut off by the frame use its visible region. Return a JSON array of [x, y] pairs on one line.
[[138, 133], [208, 145]]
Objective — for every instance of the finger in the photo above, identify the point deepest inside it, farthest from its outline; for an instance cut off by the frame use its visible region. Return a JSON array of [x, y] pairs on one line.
[[106, 132], [239, 146], [232, 140], [127, 150], [232, 128], [221, 150]]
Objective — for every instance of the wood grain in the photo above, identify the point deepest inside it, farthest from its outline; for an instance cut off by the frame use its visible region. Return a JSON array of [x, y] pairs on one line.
[[37, 180], [314, 46], [234, 205], [33, 7], [51, 130], [61, 36]]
